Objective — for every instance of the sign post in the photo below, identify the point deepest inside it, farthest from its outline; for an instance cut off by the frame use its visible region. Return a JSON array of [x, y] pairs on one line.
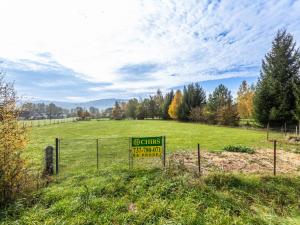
[[148, 147]]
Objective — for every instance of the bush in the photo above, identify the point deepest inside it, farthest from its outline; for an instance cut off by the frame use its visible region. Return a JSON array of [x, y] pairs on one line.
[[238, 148], [14, 177], [228, 115], [196, 115]]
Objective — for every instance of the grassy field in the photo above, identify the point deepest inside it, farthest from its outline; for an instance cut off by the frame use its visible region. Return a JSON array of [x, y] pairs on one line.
[[179, 136], [115, 195]]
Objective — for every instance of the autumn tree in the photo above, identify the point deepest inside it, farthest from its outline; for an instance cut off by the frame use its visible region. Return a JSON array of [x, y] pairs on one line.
[[173, 108], [80, 113], [13, 140], [196, 114], [117, 112], [245, 97]]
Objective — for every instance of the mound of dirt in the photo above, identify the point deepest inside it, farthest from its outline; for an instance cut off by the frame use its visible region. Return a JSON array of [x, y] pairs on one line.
[[294, 140], [260, 162]]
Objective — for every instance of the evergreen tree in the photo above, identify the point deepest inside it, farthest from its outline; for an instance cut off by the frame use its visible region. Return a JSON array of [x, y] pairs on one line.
[[275, 99], [159, 100], [151, 112], [220, 97], [132, 106], [141, 112], [193, 96], [297, 109], [167, 102], [221, 109]]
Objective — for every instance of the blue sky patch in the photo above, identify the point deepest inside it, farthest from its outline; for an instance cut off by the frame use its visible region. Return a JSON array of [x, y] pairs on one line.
[[123, 49]]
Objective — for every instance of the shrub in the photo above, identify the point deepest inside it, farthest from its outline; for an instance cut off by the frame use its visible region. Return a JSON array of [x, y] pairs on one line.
[[228, 115], [196, 115], [14, 176], [238, 148]]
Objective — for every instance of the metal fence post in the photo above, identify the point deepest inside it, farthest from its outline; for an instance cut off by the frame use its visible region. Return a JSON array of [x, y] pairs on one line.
[[199, 158], [97, 144], [285, 131], [274, 157], [56, 154], [164, 151], [130, 159], [268, 126]]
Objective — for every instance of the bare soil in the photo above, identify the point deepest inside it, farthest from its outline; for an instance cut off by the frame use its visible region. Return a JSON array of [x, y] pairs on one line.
[[261, 162]]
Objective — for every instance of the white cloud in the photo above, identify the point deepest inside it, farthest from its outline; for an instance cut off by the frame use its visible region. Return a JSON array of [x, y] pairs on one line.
[[192, 39]]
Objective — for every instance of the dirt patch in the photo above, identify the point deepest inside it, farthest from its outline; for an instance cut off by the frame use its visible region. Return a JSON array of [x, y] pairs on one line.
[[293, 140], [260, 162]]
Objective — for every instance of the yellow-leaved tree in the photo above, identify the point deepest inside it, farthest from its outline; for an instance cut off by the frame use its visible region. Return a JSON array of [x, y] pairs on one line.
[[245, 97], [13, 139], [173, 108]]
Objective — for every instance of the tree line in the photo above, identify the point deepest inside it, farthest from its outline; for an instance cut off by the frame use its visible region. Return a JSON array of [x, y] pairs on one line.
[[31, 110], [189, 104], [274, 100]]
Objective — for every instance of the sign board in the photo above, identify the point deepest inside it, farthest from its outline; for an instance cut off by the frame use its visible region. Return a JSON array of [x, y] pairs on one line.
[[147, 147]]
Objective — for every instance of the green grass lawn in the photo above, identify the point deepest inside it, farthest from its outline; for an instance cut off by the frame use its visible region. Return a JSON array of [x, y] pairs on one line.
[[179, 135], [115, 195], [78, 138]]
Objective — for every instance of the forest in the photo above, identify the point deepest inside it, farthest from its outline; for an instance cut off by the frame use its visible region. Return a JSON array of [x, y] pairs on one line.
[[273, 100]]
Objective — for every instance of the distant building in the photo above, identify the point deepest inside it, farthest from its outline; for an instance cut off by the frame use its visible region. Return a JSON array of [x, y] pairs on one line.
[[26, 115], [37, 116]]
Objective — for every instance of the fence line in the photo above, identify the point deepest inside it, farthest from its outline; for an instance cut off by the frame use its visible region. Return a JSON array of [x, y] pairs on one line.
[[76, 155], [88, 154], [45, 122]]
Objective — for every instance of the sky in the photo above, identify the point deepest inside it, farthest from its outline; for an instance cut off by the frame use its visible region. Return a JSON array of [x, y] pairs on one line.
[[71, 50]]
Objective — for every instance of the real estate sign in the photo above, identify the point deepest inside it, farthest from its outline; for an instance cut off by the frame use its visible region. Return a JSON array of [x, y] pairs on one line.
[[147, 146]]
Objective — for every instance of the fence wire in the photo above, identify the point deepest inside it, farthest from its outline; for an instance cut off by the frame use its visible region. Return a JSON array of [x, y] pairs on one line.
[[86, 155], [79, 155]]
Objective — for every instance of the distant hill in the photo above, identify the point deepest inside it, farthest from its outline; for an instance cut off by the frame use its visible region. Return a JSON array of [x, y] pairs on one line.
[[100, 104]]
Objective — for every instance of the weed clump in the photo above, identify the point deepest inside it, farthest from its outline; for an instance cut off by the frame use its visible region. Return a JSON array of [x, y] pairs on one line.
[[239, 148]]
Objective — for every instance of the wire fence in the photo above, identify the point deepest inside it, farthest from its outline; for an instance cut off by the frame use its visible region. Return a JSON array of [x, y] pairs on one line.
[[274, 157], [45, 122], [87, 155], [284, 134], [83, 155]]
